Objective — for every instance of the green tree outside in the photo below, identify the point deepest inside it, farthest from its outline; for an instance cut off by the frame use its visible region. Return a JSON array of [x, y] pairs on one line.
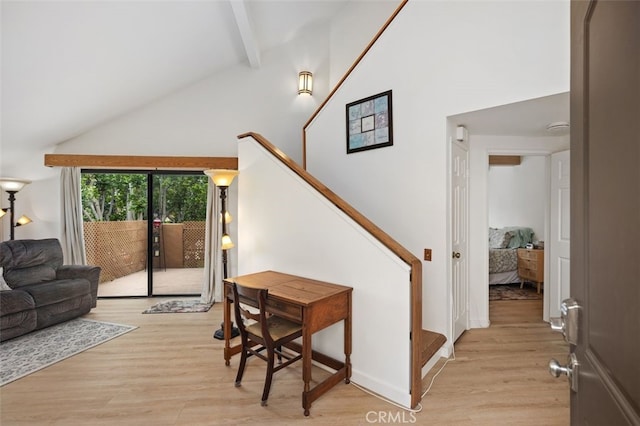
[[120, 196]]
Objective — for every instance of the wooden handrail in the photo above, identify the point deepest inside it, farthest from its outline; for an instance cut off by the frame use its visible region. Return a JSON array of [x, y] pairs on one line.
[[344, 77], [414, 263]]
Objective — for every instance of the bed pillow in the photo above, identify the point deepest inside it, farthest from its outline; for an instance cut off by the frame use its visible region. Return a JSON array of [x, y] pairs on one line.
[[499, 238], [520, 236]]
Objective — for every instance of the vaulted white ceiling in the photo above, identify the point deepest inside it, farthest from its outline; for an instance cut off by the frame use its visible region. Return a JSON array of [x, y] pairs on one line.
[[68, 66]]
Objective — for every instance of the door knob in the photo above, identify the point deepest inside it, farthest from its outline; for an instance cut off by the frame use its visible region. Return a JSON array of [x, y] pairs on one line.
[[570, 370], [558, 370], [456, 254]]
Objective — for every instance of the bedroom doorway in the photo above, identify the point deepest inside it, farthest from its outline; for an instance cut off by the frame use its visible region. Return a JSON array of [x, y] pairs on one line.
[[517, 201]]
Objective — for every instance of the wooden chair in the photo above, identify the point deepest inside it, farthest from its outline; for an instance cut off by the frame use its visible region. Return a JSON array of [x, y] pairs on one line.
[[269, 332]]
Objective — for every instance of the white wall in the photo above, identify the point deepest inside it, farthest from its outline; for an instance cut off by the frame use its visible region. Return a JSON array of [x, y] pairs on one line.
[[206, 117], [203, 119], [352, 30], [440, 59], [518, 195], [286, 226]]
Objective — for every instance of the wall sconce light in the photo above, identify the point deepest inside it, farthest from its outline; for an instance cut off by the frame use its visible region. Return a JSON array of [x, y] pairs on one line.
[[12, 186], [305, 83]]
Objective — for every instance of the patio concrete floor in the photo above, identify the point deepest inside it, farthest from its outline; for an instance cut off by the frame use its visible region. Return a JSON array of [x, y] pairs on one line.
[[165, 282]]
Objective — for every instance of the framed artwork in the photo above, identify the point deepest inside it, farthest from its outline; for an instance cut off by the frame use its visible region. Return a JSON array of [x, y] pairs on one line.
[[369, 123]]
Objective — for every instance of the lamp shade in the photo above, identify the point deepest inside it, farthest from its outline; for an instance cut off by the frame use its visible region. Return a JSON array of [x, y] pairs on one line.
[[11, 184], [221, 177], [226, 242], [305, 83], [227, 217], [23, 220], [3, 212]]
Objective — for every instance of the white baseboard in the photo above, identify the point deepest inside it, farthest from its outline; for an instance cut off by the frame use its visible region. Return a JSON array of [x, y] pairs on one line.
[[383, 390], [479, 323]]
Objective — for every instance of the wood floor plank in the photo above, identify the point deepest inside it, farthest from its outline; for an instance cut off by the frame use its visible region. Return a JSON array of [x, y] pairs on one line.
[[170, 371]]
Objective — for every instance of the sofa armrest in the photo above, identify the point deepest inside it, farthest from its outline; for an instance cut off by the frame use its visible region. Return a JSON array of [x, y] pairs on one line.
[[91, 273]]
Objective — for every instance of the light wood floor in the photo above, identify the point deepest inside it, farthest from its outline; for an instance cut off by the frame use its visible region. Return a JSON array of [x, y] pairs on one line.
[[170, 371]]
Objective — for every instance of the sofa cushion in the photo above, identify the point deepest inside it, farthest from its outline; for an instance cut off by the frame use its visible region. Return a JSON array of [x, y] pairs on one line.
[[57, 291], [17, 278], [43, 255], [14, 325], [15, 301], [62, 311]]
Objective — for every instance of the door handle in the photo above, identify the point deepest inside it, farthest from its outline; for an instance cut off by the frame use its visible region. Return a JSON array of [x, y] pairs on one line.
[[567, 324], [456, 255], [557, 324], [570, 370]]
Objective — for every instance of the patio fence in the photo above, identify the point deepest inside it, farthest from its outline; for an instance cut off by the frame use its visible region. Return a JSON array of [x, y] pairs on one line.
[[120, 248]]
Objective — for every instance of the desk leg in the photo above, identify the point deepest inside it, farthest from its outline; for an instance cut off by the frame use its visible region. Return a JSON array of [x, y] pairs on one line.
[[347, 349], [227, 329], [306, 368]]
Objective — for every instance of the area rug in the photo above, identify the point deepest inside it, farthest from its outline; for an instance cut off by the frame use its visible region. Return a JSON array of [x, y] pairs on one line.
[[178, 306], [27, 354], [513, 292]]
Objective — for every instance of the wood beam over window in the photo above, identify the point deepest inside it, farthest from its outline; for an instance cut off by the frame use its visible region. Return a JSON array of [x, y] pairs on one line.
[[141, 162], [504, 160]]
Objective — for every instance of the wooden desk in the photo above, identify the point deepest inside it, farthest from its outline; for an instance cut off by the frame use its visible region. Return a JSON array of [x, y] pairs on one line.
[[315, 305]]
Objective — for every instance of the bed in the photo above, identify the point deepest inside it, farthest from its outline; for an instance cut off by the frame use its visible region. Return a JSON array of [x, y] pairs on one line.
[[503, 252]]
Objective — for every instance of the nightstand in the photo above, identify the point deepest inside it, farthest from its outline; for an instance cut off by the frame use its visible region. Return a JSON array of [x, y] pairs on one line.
[[531, 266]]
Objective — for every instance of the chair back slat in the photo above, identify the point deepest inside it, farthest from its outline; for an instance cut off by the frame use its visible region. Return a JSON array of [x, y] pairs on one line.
[[246, 313], [255, 297]]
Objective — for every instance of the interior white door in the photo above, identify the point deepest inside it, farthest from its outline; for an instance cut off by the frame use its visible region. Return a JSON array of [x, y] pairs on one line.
[[459, 237], [559, 246]]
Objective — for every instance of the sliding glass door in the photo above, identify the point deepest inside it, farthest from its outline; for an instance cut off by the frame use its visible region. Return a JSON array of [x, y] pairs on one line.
[[146, 230], [179, 209]]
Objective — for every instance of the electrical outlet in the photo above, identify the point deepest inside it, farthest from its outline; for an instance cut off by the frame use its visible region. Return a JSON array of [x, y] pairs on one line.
[[427, 255]]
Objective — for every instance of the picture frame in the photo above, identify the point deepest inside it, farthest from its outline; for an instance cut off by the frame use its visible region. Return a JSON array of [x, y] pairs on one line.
[[369, 123]]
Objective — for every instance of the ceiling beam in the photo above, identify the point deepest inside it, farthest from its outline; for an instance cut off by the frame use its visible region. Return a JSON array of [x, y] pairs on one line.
[[139, 162], [504, 160], [243, 21]]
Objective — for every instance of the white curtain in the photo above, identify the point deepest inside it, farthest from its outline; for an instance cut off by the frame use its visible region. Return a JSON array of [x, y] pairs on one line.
[[212, 283], [72, 233]]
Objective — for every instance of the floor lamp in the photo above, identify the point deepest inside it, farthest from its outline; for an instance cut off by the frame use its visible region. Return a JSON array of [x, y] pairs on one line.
[[223, 178], [12, 186]]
